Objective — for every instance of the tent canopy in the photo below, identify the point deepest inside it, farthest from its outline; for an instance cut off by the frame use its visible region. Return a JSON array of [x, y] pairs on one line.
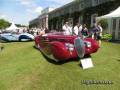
[[115, 13], [12, 27]]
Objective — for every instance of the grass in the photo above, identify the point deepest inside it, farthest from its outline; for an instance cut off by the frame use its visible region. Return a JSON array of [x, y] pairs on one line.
[[22, 67]]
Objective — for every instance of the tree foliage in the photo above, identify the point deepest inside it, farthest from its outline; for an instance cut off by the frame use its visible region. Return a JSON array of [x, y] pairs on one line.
[[104, 23], [4, 24]]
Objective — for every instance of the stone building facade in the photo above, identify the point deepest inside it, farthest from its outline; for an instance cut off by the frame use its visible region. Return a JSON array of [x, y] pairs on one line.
[[82, 11]]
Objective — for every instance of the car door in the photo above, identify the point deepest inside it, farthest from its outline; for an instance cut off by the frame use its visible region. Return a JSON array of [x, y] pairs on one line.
[[13, 37]]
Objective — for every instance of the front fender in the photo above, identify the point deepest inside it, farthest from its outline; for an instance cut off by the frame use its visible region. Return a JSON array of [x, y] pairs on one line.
[[3, 39], [59, 51], [94, 46]]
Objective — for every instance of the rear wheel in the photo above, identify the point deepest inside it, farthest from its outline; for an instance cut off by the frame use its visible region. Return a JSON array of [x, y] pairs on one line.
[[24, 38]]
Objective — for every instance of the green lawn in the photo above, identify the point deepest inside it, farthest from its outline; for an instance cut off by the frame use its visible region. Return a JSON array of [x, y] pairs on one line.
[[22, 67]]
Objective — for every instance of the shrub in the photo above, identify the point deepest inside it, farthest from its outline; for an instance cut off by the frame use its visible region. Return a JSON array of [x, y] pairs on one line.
[[107, 37]]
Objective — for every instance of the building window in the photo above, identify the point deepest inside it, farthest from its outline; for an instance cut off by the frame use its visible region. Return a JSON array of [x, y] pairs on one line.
[[82, 4], [93, 19], [119, 25], [81, 19], [114, 24], [63, 21], [119, 35], [113, 35], [95, 2], [88, 3]]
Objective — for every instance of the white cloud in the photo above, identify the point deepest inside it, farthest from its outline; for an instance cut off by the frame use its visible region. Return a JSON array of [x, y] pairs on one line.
[[31, 6], [38, 10], [33, 9], [3, 16], [27, 3], [23, 2]]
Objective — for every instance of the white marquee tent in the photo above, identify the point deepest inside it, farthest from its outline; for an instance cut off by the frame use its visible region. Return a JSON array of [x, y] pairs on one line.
[[13, 27], [113, 14], [113, 19]]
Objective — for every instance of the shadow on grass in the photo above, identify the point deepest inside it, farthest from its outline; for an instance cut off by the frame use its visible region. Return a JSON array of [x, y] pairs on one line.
[[2, 48], [114, 41], [118, 60], [2, 41], [64, 61], [59, 62]]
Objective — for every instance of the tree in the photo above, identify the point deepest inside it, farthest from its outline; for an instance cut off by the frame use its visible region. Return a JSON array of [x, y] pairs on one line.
[[4, 24], [103, 23]]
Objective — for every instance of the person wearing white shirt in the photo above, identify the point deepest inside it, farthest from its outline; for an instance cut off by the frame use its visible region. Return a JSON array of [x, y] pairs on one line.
[[77, 29], [80, 28], [70, 29], [101, 29], [67, 29]]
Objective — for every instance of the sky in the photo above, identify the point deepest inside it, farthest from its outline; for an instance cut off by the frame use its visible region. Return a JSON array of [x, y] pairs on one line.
[[22, 11]]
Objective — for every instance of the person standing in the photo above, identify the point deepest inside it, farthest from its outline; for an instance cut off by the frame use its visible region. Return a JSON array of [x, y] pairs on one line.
[[67, 29], [84, 31], [71, 28], [94, 31], [77, 29], [99, 33]]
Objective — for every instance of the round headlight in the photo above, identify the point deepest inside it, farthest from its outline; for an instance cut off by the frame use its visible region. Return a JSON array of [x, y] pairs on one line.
[[87, 44]]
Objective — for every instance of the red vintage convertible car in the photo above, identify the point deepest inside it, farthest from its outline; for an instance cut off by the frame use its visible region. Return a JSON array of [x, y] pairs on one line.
[[60, 47]]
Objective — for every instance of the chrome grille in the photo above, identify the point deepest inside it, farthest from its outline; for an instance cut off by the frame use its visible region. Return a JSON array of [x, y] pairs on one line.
[[79, 46]]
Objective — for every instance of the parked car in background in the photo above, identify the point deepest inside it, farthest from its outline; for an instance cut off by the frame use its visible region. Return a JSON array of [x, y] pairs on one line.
[[9, 37]]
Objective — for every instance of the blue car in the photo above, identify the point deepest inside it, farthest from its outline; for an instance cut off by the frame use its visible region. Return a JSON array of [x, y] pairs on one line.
[[9, 37]]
